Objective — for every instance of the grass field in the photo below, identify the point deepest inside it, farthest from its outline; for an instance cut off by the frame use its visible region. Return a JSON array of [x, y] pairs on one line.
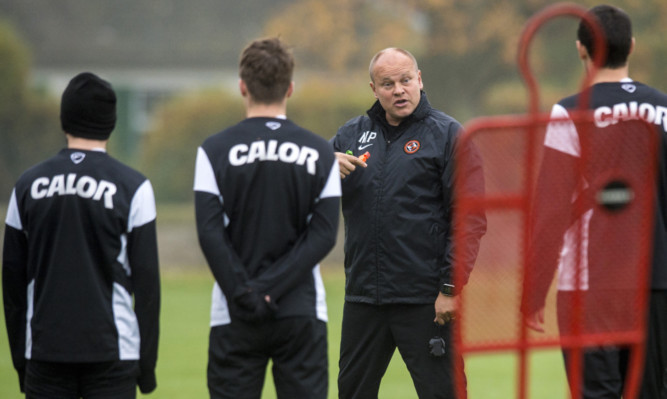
[[184, 341]]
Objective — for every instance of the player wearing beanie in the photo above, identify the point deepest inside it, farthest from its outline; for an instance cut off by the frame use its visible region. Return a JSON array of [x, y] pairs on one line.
[[80, 266], [88, 107]]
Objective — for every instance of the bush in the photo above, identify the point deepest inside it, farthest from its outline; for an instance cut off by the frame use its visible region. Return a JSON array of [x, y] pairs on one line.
[[324, 106], [181, 126], [183, 123], [29, 124]]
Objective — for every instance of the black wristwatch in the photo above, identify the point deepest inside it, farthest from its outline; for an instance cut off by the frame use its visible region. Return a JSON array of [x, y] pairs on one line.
[[448, 289]]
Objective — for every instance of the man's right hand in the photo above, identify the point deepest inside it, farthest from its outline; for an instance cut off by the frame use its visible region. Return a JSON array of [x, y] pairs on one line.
[[535, 320], [348, 163]]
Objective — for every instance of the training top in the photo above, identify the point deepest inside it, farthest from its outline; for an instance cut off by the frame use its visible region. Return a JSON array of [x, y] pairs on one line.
[[611, 104], [80, 264], [267, 204]]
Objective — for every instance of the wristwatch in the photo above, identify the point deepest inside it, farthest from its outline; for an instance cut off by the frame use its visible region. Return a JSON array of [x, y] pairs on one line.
[[448, 289]]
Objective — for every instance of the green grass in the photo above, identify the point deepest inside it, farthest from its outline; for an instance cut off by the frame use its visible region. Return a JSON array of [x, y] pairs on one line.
[[184, 341]]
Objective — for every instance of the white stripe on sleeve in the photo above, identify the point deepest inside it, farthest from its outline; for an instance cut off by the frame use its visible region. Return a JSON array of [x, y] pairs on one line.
[[219, 308], [13, 217], [204, 176], [320, 302], [142, 208], [561, 134], [129, 340], [332, 188], [28, 322]]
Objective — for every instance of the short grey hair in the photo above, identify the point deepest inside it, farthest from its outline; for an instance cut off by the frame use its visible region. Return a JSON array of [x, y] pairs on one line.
[[379, 54]]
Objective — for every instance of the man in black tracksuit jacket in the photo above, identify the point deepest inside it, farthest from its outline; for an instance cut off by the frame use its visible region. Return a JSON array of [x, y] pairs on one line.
[[398, 208]]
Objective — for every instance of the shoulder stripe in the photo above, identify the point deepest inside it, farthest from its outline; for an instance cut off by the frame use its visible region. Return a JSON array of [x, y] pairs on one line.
[[142, 208], [204, 176], [332, 188], [561, 133], [13, 218]]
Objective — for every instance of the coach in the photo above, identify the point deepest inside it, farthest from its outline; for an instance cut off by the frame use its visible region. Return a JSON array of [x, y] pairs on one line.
[[398, 209]]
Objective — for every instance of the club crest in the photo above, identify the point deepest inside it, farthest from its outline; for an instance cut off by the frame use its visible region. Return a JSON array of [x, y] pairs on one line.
[[77, 157], [273, 125], [411, 147], [629, 87]]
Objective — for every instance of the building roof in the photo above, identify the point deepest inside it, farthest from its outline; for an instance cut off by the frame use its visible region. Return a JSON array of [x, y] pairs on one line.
[[137, 34]]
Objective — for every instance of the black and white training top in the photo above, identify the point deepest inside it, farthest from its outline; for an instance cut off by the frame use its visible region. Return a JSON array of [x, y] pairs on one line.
[[267, 205], [611, 103], [80, 263]]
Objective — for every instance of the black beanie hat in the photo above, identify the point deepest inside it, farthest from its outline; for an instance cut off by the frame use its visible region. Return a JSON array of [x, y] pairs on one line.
[[88, 107]]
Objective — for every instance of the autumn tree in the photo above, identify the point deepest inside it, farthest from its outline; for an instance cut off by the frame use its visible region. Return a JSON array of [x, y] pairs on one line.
[[341, 35], [29, 124], [181, 125], [478, 40], [183, 122], [466, 49]]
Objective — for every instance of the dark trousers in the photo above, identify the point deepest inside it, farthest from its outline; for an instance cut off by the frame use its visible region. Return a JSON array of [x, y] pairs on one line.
[[654, 384], [239, 354], [369, 338], [107, 380], [605, 368]]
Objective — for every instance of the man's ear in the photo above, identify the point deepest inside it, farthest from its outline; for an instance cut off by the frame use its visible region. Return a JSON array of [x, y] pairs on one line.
[[290, 90], [583, 51], [243, 88]]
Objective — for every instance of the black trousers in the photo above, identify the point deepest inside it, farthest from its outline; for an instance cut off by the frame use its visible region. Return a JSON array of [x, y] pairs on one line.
[[654, 384], [239, 354], [369, 338], [107, 380], [605, 368]]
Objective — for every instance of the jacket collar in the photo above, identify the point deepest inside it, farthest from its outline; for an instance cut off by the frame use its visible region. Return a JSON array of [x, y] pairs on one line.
[[378, 114]]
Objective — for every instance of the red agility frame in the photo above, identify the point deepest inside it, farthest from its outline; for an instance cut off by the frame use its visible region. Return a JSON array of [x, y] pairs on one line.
[[529, 125]]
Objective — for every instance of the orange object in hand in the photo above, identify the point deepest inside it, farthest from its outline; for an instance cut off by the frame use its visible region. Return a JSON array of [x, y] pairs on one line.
[[364, 157]]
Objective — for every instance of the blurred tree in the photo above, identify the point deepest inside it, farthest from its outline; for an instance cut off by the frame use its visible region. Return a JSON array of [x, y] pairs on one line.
[[466, 49], [29, 124], [470, 46], [322, 106], [479, 41], [181, 125], [343, 35]]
